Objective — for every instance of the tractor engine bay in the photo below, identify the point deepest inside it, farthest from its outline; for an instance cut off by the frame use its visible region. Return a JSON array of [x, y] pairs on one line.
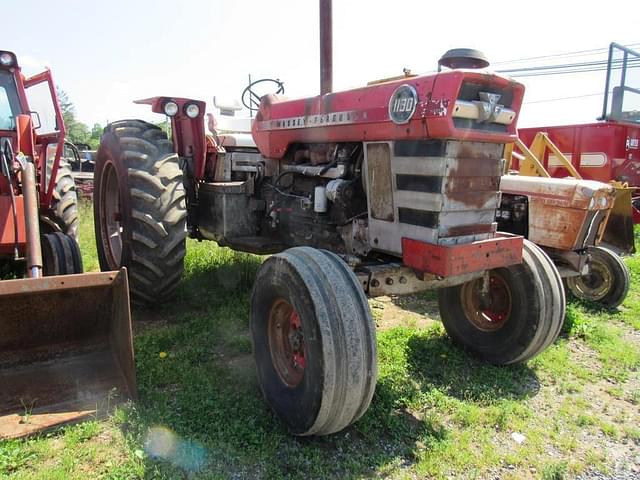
[[313, 197]]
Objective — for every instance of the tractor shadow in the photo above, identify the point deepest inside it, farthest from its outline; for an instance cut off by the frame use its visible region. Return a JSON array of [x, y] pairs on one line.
[[440, 365]]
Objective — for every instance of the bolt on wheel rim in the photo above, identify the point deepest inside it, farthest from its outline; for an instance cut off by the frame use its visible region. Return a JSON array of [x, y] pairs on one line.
[[111, 215], [286, 343], [491, 312]]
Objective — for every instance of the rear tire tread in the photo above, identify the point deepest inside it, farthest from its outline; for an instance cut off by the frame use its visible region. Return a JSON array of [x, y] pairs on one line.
[[155, 235]]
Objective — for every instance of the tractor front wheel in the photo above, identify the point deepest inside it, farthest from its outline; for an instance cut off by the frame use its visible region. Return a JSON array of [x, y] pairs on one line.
[[516, 317], [139, 208], [63, 214], [314, 341], [60, 254], [607, 281]]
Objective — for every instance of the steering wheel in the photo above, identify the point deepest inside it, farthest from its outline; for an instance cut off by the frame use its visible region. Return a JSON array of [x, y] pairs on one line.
[[251, 99]]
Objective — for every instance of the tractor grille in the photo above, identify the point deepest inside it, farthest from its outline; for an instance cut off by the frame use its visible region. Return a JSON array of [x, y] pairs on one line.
[[441, 192], [470, 92]]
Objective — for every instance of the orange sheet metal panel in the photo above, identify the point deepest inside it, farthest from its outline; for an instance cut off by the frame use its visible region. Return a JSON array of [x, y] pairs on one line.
[[501, 251], [554, 226], [7, 233]]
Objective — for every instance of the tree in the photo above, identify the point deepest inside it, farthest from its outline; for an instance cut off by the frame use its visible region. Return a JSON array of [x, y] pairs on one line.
[[96, 133], [77, 132], [67, 107]]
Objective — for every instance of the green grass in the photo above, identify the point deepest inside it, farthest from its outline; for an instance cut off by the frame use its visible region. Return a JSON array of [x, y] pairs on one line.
[[436, 413]]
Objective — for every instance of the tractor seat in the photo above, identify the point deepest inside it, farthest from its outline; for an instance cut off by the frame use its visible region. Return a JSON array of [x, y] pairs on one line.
[[231, 131]]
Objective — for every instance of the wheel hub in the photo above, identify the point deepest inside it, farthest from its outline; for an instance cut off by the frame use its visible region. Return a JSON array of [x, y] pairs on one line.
[[286, 343], [490, 310], [595, 285]]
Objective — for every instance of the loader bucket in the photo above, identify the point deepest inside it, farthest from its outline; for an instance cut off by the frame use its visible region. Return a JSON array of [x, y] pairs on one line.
[[618, 232], [66, 350]]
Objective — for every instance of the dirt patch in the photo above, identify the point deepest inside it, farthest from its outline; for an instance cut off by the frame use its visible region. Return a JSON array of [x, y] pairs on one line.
[[407, 311], [144, 320]]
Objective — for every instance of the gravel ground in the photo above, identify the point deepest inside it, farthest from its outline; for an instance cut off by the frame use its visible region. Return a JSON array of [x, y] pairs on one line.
[[627, 468]]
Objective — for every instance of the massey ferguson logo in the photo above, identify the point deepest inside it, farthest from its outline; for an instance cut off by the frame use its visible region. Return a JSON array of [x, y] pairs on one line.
[[402, 104], [489, 107]]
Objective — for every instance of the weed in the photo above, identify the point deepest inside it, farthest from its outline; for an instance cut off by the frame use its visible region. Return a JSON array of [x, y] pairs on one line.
[[15, 455], [554, 471]]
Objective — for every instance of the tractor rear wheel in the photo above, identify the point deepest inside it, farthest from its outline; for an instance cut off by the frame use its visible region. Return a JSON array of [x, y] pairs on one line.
[[314, 341], [139, 208], [607, 282], [63, 214], [519, 317]]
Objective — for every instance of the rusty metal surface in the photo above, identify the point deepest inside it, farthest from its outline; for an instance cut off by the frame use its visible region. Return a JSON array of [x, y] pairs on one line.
[[379, 181], [562, 192], [562, 212], [31, 220], [501, 251], [443, 192], [326, 47], [555, 227], [396, 279], [65, 348], [618, 232]]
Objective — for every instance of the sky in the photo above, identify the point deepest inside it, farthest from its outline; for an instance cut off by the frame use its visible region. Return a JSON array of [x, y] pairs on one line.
[[106, 54]]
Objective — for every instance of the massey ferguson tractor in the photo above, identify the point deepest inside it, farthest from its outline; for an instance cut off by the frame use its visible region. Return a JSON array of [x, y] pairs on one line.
[[391, 188], [65, 337]]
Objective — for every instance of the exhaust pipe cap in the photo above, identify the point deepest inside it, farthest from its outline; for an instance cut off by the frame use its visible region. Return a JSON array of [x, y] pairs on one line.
[[463, 58]]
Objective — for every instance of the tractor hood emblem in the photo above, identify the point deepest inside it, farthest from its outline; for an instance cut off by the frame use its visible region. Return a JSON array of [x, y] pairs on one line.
[[489, 108], [402, 104]]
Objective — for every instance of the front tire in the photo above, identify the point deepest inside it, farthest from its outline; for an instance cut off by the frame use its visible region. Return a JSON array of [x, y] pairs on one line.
[[607, 282], [521, 317], [63, 214], [139, 208], [314, 341], [60, 254]]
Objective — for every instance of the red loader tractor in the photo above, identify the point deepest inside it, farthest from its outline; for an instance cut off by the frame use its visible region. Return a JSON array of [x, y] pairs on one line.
[[65, 337]]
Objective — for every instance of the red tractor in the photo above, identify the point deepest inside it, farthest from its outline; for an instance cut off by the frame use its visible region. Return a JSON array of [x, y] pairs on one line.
[[390, 188], [65, 337]]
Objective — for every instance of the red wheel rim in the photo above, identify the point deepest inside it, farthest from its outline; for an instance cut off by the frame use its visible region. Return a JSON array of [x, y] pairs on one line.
[[286, 342], [491, 311], [110, 216]]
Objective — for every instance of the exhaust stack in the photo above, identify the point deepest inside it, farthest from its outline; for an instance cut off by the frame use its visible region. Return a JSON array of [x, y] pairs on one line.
[[326, 47]]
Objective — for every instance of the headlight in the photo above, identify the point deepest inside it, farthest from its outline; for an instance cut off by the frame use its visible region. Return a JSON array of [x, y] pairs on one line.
[[6, 59], [192, 110], [170, 108]]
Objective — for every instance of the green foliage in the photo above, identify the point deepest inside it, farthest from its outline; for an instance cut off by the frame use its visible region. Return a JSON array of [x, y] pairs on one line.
[[14, 455], [555, 471]]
